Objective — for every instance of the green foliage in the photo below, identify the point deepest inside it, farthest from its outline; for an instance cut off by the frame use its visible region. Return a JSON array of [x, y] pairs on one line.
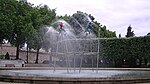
[[43, 15], [65, 17], [80, 20], [126, 51], [148, 33], [104, 33], [7, 15], [21, 23], [2, 56]]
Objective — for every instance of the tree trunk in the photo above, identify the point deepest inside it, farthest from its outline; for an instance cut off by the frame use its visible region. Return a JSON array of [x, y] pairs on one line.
[[37, 56], [140, 62], [27, 53], [145, 61], [17, 52]]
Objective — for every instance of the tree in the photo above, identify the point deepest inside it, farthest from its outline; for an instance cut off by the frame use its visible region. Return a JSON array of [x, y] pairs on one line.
[[91, 17], [65, 17], [21, 22], [81, 20], [44, 16], [119, 35], [104, 33], [27, 22], [7, 14], [30, 36], [13, 15], [129, 32], [148, 33]]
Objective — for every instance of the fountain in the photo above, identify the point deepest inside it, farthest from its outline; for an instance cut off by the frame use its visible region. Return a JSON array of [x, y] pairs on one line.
[[68, 49]]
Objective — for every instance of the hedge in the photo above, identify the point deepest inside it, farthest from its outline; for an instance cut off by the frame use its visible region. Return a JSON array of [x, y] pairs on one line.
[[126, 51]]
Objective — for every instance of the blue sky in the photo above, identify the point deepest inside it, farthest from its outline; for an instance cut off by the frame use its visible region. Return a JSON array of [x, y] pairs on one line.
[[117, 15]]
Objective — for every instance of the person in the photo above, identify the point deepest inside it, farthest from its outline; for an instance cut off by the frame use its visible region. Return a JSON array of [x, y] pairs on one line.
[[61, 27]]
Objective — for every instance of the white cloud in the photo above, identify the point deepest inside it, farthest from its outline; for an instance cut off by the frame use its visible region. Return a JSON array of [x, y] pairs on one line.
[[117, 15]]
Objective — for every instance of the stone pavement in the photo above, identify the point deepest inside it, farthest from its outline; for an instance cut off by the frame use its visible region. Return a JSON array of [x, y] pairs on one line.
[[12, 83], [28, 83]]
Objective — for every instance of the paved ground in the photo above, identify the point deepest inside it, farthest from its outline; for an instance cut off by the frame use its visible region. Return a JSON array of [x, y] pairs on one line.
[[12, 83], [28, 83], [142, 83]]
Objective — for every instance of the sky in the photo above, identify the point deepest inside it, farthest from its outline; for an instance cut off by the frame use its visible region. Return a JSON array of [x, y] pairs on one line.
[[116, 15]]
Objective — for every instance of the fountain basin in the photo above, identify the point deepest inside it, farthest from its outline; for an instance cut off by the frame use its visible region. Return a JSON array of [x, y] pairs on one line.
[[86, 76]]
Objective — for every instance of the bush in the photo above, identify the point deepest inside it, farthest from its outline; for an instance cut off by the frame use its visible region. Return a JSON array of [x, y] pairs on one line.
[[2, 56], [126, 51]]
